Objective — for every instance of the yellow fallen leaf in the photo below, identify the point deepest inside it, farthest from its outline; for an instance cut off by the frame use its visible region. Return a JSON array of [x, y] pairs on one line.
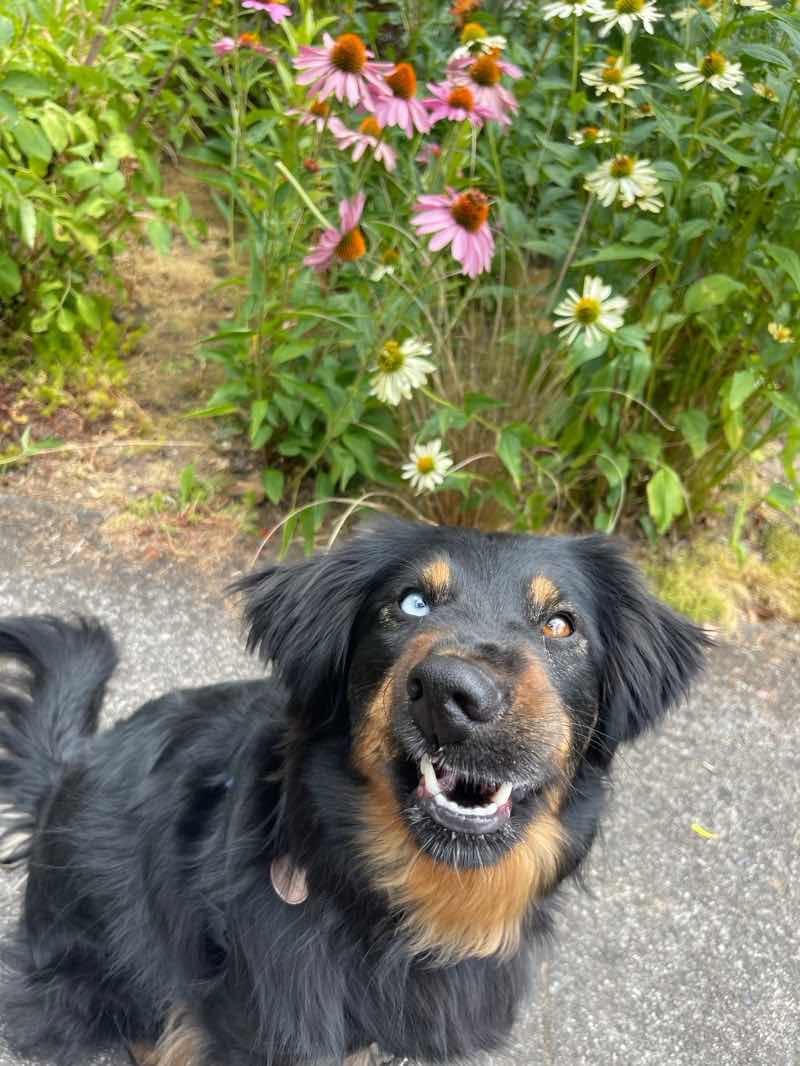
[[706, 834]]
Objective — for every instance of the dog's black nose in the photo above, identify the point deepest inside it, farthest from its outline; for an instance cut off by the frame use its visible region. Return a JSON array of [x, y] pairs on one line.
[[450, 697]]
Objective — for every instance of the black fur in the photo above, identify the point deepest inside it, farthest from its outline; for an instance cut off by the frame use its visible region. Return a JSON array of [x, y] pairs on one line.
[[150, 844]]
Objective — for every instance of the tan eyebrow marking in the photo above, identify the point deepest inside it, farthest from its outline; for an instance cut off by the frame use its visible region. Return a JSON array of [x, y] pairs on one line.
[[436, 576], [542, 592]]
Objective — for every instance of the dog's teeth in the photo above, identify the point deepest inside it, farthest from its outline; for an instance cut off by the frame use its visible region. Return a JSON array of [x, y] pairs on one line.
[[429, 775], [503, 794], [451, 805]]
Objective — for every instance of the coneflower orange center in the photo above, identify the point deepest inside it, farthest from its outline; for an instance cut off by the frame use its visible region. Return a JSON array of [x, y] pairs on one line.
[[470, 210], [713, 63], [370, 126], [402, 81], [320, 108], [622, 166], [587, 310], [461, 97], [351, 246], [349, 54], [426, 464], [473, 31], [485, 71], [248, 40]]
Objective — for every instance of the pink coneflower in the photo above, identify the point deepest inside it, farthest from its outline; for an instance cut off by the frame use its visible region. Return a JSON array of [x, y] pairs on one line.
[[342, 68], [346, 243], [461, 220], [253, 42], [482, 75], [317, 113], [277, 12], [368, 135], [455, 103], [399, 106], [223, 46], [428, 152]]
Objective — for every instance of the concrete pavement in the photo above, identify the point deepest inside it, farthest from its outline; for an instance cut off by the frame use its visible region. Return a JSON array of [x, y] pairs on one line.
[[685, 949]]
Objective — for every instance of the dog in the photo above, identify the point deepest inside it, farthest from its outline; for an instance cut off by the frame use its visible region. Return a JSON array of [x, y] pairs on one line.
[[363, 848]]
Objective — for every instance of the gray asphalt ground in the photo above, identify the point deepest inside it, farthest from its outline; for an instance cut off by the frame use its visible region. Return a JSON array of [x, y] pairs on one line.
[[683, 952]]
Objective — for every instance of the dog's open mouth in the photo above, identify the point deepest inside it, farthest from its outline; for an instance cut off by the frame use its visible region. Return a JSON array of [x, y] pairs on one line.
[[460, 804]]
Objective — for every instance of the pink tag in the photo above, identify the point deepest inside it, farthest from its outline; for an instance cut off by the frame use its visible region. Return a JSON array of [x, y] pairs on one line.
[[288, 880]]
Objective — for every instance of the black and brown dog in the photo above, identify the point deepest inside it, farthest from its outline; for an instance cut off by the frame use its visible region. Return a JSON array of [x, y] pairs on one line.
[[363, 848]]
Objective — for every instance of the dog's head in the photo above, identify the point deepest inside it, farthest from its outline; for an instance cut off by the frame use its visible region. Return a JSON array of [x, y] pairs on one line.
[[476, 675]]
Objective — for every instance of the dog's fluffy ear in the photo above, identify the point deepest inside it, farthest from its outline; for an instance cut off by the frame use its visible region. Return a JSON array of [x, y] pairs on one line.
[[300, 616], [650, 653]]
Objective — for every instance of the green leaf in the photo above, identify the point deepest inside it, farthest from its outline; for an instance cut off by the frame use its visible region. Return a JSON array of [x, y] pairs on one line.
[[787, 260], [285, 353], [258, 412], [160, 236], [733, 428], [10, 277], [273, 481], [694, 424], [88, 310], [509, 451], [55, 127], [785, 404], [6, 31], [782, 498], [65, 320], [766, 54], [710, 291], [363, 450], [27, 222], [121, 146], [31, 140], [614, 252], [24, 85], [665, 499], [743, 384]]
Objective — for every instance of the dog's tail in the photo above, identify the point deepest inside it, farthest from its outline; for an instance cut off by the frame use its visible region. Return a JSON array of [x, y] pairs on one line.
[[52, 680]]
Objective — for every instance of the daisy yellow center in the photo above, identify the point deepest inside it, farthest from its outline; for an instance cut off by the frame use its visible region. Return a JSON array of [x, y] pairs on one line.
[[470, 210], [349, 54], [390, 359], [611, 75], [351, 246], [587, 310], [426, 464], [485, 71], [389, 257], [320, 108], [473, 31], [462, 97], [713, 63], [628, 7], [622, 166], [707, 4], [590, 133], [370, 126], [402, 81], [247, 40]]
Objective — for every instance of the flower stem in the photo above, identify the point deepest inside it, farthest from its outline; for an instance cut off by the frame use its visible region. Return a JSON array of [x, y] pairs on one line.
[[301, 192]]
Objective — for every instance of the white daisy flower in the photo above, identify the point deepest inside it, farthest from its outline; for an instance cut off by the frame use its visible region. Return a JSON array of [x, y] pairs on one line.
[[479, 46], [755, 5], [590, 135], [628, 180], [760, 88], [427, 466], [782, 334], [713, 68], [400, 369], [684, 14], [625, 14], [565, 9], [593, 313], [614, 77]]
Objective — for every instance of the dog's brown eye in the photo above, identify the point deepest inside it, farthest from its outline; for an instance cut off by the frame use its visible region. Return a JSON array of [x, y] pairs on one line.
[[558, 626]]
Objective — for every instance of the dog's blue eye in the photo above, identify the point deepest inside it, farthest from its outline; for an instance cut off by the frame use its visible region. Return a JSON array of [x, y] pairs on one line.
[[415, 603]]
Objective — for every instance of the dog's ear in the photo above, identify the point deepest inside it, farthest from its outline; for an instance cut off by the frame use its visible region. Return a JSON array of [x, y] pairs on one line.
[[300, 616], [650, 653]]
